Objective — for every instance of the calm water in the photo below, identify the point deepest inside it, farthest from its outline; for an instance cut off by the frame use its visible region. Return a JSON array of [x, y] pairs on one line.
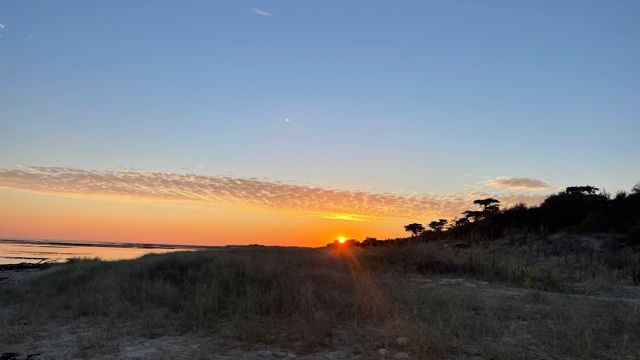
[[31, 251]]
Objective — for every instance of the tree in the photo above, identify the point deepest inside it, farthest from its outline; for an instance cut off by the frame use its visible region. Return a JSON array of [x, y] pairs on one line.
[[581, 190], [636, 188], [488, 204], [437, 226], [462, 222], [415, 228], [473, 215], [370, 242]]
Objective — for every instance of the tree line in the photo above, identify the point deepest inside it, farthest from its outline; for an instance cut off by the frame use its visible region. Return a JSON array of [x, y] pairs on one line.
[[579, 209]]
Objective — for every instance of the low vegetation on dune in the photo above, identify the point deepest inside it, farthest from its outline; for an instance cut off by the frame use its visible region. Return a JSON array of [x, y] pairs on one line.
[[504, 300], [522, 259], [251, 293]]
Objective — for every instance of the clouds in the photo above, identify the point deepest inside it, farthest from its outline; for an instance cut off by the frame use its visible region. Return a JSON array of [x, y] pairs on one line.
[[260, 12], [518, 184], [327, 203], [2, 26]]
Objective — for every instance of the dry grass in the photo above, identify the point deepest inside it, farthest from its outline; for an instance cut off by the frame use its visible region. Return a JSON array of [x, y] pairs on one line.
[[282, 296], [494, 322], [532, 262], [251, 293]]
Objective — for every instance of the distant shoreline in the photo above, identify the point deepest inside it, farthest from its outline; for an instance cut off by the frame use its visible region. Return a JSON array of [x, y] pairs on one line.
[[86, 243], [34, 251]]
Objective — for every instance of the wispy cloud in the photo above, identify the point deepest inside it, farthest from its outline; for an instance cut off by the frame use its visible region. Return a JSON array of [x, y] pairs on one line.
[[2, 26], [325, 202], [260, 12], [519, 184]]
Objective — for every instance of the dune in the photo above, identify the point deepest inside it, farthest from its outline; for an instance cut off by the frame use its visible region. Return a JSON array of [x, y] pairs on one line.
[[414, 301]]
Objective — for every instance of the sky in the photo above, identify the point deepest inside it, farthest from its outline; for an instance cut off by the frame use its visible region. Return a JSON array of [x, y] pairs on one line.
[[295, 122]]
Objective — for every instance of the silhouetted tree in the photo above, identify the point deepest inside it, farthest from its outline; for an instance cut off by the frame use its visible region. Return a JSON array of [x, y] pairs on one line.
[[473, 215], [437, 226], [351, 243], [488, 204], [582, 190], [370, 242], [577, 209], [415, 228]]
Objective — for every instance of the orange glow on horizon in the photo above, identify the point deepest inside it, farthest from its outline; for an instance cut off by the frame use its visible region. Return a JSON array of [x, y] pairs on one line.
[[132, 217], [28, 214]]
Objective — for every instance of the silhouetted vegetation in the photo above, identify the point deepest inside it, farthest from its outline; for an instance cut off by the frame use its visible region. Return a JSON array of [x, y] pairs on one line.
[[439, 225], [488, 205], [578, 209], [415, 229]]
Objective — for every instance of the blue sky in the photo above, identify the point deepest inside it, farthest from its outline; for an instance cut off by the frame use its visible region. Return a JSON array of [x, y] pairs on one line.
[[411, 96]]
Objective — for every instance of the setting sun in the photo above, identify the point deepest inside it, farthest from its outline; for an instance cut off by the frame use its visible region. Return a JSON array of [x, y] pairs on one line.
[[319, 179]]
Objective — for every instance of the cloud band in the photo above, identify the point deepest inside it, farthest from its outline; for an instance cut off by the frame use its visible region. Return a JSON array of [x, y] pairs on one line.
[[519, 184], [217, 189]]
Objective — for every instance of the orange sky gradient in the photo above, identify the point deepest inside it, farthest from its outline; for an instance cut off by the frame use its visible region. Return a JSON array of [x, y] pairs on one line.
[[27, 214], [129, 206], [213, 123]]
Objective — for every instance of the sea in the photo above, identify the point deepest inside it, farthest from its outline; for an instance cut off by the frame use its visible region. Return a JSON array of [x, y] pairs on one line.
[[16, 251]]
